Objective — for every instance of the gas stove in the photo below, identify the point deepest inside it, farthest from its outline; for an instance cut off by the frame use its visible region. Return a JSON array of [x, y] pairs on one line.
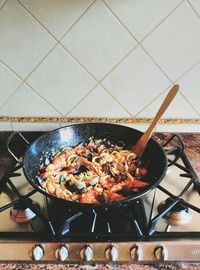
[[163, 226]]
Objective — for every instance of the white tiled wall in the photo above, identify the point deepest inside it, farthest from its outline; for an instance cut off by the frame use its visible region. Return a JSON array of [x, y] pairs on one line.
[[98, 58]]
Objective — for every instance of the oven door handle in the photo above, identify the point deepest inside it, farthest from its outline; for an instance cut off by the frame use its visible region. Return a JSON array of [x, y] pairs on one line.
[[9, 143]]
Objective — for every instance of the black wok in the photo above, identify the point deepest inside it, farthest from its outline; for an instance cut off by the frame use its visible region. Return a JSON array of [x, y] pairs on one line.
[[52, 142]]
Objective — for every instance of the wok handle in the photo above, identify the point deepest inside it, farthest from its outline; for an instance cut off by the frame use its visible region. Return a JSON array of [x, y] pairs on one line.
[[10, 140]]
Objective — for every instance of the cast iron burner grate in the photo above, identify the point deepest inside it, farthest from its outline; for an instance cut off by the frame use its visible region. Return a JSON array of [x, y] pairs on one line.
[[125, 223], [104, 224]]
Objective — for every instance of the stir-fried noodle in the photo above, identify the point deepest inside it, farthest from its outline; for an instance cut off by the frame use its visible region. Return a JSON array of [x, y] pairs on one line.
[[95, 172]]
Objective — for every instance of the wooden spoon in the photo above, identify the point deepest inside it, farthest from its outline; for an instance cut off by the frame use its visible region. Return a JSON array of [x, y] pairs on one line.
[[140, 146]]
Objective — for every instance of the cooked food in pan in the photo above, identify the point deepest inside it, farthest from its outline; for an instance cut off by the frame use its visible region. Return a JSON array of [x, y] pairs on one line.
[[98, 171]]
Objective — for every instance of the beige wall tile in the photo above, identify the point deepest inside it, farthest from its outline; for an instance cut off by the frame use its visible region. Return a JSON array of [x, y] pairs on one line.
[[2, 2], [196, 5], [99, 43], [179, 108], [98, 40], [98, 104], [60, 80], [175, 43], [141, 17], [8, 83], [136, 81], [57, 16], [190, 87], [23, 41], [25, 102]]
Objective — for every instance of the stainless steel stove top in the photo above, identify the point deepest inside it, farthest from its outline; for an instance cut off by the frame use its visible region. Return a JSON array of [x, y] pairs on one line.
[[165, 228]]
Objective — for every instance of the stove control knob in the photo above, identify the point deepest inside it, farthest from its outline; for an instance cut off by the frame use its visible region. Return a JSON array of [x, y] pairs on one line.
[[87, 253], [111, 253], [62, 253], [161, 253], [37, 252], [136, 253]]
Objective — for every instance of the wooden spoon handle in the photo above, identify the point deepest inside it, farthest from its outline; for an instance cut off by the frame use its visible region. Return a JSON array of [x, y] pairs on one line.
[[140, 146]]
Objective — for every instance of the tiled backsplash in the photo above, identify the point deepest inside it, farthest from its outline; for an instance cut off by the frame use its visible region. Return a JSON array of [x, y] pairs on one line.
[[98, 60]]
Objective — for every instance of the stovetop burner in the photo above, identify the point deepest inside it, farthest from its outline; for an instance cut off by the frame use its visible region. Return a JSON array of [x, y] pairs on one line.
[[170, 212], [21, 211], [99, 224], [177, 215]]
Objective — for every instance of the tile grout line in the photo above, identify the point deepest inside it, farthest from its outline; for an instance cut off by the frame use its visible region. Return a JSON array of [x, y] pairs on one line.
[[68, 52], [11, 70], [155, 63], [125, 27], [163, 19], [187, 71], [27, 84], [21, 83], [182, 76], [116, 65], [55, 39], [188, 101], [3, 4], [44, 57], [15, 90], [58, 42], [130, 114], [152, 101], [14, 74], [139, 43], [172, 82], [193, 9], [77, 20], [87, 94], [119, 20], [40, 61], [99, 82], [77, 61], [24, 82], [46, 29]]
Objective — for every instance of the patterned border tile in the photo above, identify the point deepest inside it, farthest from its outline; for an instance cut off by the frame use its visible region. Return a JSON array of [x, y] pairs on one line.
[[148, 120], [4, 119], [95, 120], [35, 119], [84, 120]]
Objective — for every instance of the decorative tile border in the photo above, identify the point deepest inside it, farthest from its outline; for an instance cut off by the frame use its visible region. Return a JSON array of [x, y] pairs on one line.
[[148, 120], [84, 120], [4, 119], [35, 119], [95, 120]]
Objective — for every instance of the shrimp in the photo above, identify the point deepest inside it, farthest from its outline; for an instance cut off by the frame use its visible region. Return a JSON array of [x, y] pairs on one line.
[[89, 197], [96, 172], [93, 166]]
